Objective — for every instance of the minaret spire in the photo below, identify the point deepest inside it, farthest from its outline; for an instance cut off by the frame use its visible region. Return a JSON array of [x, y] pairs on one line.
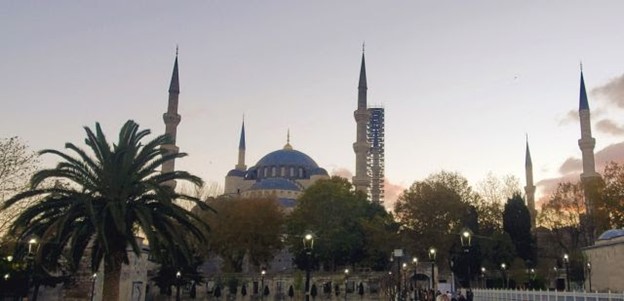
[[529, 189], [361, 147], [172, 119], [241, 149]]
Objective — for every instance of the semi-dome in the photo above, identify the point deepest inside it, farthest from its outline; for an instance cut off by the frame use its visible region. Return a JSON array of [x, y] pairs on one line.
[[610, 234]]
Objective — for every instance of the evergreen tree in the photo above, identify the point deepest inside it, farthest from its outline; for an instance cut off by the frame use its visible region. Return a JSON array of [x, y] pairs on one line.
[[517, 223]]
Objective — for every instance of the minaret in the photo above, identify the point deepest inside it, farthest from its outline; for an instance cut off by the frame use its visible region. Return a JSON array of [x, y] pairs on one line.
[[587, 142], [241, 150], [172, 119], [529, 189], [589, 177], [361, 180]]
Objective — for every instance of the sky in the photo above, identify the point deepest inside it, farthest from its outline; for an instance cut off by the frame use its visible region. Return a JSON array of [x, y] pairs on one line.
[[462, 82]]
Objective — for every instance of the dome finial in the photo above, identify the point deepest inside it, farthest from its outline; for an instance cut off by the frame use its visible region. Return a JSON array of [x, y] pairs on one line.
[[288, 146]]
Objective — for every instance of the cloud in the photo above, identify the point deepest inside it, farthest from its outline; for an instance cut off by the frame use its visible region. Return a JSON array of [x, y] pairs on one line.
[[571, 165], [608, 126], [571, 168], [391, 193], [570, 117], [342, 172], [612, 91]]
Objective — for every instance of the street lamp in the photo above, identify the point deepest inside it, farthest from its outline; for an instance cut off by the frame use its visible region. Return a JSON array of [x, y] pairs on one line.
[[566, 261], [413, 281], [466, 240], [432, 257], [346, 272], [262, 273], [589, 274], [93, 278], [178, 276], [503, 270], [308, 245], [32, 249], [483, 277], [398, 253]]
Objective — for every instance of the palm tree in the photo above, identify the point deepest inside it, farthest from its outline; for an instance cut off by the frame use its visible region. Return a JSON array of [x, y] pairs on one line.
[[112, 194]]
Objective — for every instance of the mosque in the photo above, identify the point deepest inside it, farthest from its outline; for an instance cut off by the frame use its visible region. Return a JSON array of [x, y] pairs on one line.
[[285, 173]]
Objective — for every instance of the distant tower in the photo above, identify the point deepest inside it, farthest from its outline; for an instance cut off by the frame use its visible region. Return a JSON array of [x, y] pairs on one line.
[[172, 119], [589, 177], [361, 180], [376, 165], [241, 150], [529, 189]]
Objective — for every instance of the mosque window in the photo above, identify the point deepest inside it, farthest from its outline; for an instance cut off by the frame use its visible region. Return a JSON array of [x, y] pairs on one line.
[[273, 170], [266, 171], [300, 172], [292, 171], [283, 171]]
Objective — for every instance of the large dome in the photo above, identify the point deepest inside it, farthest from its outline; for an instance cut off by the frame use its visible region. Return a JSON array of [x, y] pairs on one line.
[[287, 157], [285, 163]]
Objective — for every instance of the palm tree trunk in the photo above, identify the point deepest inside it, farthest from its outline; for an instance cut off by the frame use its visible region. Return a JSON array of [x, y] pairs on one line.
[[112, 275]]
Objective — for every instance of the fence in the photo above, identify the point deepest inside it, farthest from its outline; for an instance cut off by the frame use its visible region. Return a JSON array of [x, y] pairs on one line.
[[525, 295]]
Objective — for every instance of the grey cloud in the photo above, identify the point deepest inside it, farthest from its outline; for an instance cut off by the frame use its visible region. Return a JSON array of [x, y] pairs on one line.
[[571, 165], [342, 172], [608, 126], [569, 117], [612, 91]]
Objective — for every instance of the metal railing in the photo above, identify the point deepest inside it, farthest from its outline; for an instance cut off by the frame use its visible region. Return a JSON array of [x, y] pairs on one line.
[[531, 295]]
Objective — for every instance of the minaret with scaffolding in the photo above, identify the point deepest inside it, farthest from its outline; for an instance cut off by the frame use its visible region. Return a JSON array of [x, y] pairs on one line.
[[376, 165]]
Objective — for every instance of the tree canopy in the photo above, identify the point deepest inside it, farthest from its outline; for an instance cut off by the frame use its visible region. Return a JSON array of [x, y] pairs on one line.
[[17, 164], [517, 223], [433, 212], [115, 192], [340, 219], [244, 229]]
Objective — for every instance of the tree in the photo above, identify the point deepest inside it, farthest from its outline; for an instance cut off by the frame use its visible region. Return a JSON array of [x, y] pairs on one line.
[[562, 215], [115, 192], [339, 217], [17, 164], [432, 213], [613, 194], [517, 223], [244, 229], [493, 193]]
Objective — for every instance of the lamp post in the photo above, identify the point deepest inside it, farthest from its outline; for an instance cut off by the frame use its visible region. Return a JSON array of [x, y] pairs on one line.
[[503, 270], [466, 242], [93, 278], [566, 262], [178, 276], [346, 272], [432, 257], [413, 281], [589, 274], [404, 266], [483, 277], [262, 273], [398, 253], [308, 245], [32, 249]]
